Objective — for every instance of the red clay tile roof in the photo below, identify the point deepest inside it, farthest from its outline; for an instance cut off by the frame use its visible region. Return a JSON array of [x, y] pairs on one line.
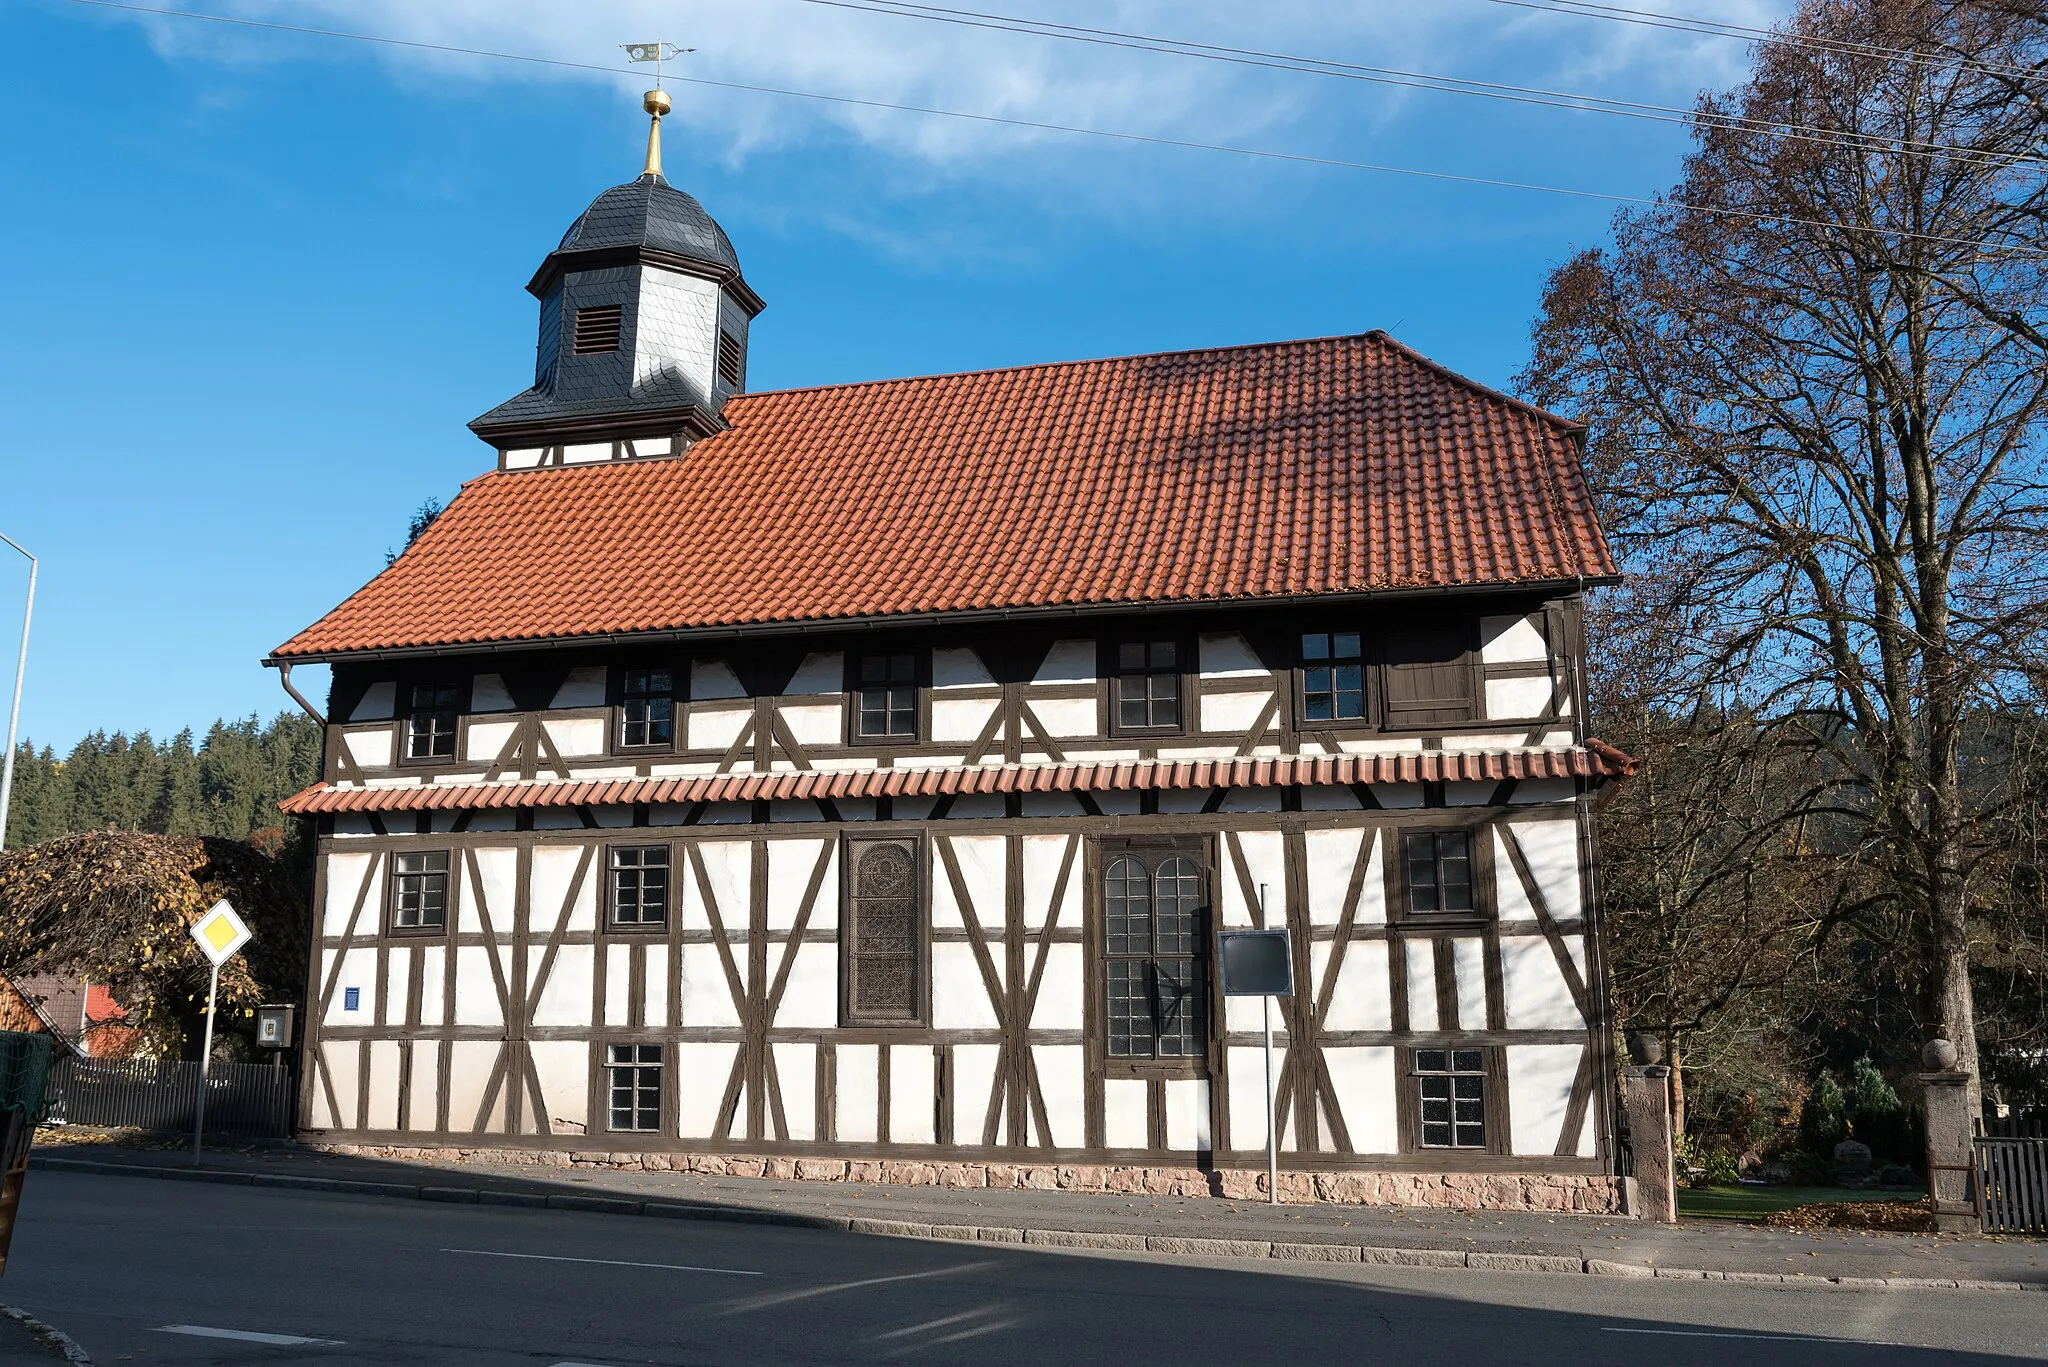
[[1340, 465], [1595, 761]]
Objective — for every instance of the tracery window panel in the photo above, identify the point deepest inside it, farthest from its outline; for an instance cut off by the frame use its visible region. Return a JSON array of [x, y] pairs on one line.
[[1155, 944], [1332, 676], [884, 933], [647, 710]]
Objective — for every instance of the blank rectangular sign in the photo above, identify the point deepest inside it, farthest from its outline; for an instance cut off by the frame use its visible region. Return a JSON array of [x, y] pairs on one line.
[[1256, 963]]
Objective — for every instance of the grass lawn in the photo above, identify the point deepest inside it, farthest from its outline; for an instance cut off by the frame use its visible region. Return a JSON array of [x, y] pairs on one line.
[[1753, 1203]]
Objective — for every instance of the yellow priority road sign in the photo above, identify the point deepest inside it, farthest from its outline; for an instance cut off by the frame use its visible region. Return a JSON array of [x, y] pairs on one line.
[[219, 933]]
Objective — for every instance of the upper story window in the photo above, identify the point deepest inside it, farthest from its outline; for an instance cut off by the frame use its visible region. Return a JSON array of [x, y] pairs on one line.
[[419, 892], [1147, 686], [1155, 950], [1332, 676], [1428, 674], [639, 887], [882, 943], [1439, 878], [597, 329], [885, 697], [732, 362], [647, 708], [431, 715]]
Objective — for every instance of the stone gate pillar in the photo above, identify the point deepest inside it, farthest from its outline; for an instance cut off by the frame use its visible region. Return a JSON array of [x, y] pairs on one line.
[[1951, 1160], [1646, 1095]]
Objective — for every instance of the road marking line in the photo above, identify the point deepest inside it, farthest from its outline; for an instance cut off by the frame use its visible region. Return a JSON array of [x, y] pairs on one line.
[[604, 1262], [200, 1331], [1774, 1338]]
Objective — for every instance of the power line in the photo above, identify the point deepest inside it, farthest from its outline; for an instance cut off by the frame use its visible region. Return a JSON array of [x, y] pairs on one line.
[[1034, 125], [1456, 85]]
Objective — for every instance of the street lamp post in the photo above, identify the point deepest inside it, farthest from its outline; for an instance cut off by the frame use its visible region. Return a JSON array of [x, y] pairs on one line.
[[14, 712]]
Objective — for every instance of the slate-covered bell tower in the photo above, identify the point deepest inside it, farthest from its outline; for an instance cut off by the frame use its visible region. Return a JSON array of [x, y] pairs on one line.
[[643, 329]]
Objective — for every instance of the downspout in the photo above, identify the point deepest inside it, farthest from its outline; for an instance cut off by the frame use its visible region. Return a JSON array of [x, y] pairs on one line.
[[284, 676]]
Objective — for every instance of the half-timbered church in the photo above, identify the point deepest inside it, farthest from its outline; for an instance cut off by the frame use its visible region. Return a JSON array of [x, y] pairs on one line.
[[855, 780]]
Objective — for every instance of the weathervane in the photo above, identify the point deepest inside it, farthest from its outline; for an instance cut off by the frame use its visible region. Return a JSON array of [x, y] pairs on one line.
[[656, 101]]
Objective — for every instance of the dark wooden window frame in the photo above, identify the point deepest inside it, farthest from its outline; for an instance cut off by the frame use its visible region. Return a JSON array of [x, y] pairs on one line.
[[1104, 853], [597, 329], [392, 874], [1479, 836], [410, 709], [1388, 635], [921, 913], [1186, 671], [920, 684], [678, 706], [609, 917], [1368, 719], [664, 1104], [1408, 1102]]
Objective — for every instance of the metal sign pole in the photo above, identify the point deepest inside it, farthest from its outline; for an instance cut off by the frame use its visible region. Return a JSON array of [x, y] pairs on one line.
[[1272, 1129], [205, 1060]]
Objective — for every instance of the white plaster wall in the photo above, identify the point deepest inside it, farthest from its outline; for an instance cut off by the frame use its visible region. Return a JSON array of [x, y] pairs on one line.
[[359, 970], [1227, 655], [1468, 959], [469, 1073], [912, 1094], [796, 1074], [811, 999], [1044, 856], [370, 749], [487, 693], [575, 735], [1233, 712], [554, 872], [1248, 1097], [1125, 1122], [717, 728], [790, 866], [1552, 848], [379, 703], [397, 976], [584, 687], [1539, 1089], [1512, 640], [476, 989], [563, 1067], [1067, 662], [1364, 1082], [974, 1078], [959, 998], [701, 1073], [813, 724], [1360, 1001], [345, 875], [714, 679], [496, 895], [1537, 996], [706, 996], [1331, 857], [1061, 991], [1326, 799], [982, 872], [958, 667], [1506, 698], [957, 721], [858, 1102], [1187, 1114], [823, 671], [1264, 862], [426, 1086], [433, 983], [585, 453], [1422, 1012], [1063, 718], [1061, 1082], [341, 1062], [729, 869], [618, 983], [1252, 800], [565, 998], [661, 978], [384, 1079]]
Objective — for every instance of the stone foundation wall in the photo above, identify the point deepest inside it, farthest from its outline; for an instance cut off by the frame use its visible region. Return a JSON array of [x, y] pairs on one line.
[[1566, 1193]]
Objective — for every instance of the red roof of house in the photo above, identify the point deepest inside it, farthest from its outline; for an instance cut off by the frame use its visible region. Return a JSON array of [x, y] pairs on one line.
[[1339, 465], [1595, 760]]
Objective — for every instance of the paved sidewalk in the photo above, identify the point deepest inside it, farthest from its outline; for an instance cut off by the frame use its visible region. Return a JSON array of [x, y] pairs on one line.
[[1504, 1240]]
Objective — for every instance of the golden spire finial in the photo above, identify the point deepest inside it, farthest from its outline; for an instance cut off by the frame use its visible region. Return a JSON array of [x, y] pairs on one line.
[[656, 104]]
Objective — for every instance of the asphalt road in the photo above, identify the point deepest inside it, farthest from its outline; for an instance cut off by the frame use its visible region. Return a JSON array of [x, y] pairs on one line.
[[118, 1261]]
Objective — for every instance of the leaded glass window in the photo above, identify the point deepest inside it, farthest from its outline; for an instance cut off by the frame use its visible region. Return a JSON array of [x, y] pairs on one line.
[[639, 886], [647, 709], [884, 933], [886, 696], [1155, 943], [430, 721], [1332, 676], [1439, 872], [635, 1078], [1147, 685], [1451, 1106], [419, 891]]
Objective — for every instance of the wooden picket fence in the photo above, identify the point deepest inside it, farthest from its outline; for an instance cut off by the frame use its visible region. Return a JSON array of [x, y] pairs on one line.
[[2012, 1178]]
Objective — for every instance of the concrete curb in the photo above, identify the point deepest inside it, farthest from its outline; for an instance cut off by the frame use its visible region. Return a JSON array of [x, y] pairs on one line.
[[1169, 1245], [54, 1337]]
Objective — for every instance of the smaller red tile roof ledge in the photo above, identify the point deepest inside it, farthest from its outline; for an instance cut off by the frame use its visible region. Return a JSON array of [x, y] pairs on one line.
[[1597, 760]]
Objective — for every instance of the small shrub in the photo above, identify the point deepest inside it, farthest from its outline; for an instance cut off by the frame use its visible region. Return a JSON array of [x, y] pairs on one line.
[[1824, 1119]]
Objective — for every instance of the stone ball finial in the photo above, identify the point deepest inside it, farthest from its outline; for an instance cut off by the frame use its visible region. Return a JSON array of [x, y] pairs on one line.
[[1645, 1049], [1938, 1055]]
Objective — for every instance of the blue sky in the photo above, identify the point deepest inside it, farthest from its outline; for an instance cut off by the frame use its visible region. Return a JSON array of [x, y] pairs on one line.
[[261, 280]]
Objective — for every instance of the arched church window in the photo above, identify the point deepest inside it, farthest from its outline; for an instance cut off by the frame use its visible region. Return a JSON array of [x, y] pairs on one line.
[[1155, 951]]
